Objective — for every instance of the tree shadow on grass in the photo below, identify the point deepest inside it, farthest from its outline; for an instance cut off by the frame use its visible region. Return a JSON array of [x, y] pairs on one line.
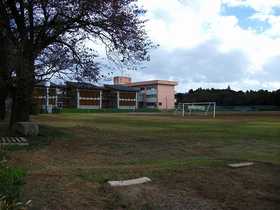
[[47, 134]]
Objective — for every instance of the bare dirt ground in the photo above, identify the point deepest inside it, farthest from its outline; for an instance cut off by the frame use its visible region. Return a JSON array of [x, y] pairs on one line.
[[69, 164]]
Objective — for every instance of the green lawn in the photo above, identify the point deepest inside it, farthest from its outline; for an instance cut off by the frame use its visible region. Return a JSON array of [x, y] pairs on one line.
[[186, 158]]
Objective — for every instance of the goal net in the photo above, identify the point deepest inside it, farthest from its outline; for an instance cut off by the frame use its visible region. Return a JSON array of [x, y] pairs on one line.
[[197, 108]]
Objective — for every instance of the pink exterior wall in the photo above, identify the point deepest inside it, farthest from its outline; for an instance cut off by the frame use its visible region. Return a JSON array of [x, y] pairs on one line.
[[122, 80], [165, 92], [166, 96]]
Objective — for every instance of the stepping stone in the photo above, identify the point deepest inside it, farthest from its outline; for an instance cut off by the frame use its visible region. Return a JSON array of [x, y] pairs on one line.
[[122, 183], [7, 141], [239, 165]]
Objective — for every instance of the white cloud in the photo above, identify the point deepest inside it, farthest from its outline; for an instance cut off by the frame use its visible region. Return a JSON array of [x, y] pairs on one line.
[[272, 70], [170, 22], [193, 33], [202, 64]]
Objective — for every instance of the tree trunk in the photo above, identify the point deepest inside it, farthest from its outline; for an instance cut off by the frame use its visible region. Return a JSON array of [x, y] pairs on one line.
[[3, 97], [3, 75], [22, 93]]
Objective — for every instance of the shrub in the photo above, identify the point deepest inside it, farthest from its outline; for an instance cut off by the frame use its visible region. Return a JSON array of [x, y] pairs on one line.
[[2, 155], [56, 110], [11, 181], [6, 204]]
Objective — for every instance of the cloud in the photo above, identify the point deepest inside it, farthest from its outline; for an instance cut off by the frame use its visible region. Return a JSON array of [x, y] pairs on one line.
[[271, 70], [203, 46], [210, 43], [180, 23], [204, 63]]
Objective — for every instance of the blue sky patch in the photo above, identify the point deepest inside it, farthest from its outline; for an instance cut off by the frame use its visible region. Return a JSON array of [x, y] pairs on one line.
[[243, 15], [276, 11]]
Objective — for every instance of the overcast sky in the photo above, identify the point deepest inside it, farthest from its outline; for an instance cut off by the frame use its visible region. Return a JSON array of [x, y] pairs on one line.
[[214, 43]]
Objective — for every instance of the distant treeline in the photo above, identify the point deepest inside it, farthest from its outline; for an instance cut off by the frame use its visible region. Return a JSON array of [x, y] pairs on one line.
[[228, 97]]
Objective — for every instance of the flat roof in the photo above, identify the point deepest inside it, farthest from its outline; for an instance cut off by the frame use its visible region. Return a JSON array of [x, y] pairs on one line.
[[123, 88], [153, 82], [83, 85]]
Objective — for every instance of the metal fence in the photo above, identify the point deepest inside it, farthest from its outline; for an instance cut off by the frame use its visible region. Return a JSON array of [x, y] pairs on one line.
[[257, 108]]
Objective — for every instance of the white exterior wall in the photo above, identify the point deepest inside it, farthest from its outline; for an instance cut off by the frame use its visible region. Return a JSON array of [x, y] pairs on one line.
[[127, 107], [89, 107]]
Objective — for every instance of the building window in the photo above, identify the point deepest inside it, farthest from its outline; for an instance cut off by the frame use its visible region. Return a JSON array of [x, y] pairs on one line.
[[160, 104], [151, 96], [151, 88]]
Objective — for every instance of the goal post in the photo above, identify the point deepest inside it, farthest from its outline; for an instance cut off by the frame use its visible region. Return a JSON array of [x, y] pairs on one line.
[[197, 108]]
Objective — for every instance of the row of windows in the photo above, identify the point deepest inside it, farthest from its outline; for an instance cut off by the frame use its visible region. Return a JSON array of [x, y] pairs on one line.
[[153, 104], [148, 88], [151, 96]]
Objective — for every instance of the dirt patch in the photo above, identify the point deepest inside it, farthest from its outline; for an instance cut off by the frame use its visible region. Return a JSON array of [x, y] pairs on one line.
[[54, 191], [255, 188], [153, 196]]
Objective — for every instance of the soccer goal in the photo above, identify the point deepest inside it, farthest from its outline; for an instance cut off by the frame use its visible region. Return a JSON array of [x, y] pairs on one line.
[[196, 108]]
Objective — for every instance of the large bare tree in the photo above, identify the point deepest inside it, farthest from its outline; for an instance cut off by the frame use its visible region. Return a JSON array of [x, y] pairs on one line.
[[7, 65], [48, 37], [3, 76]]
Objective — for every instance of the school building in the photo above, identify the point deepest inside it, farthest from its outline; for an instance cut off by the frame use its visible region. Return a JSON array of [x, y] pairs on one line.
[[152, 94], [122, 94]]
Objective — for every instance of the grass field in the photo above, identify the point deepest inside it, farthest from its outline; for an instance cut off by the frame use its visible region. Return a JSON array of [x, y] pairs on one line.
[[70, 162]]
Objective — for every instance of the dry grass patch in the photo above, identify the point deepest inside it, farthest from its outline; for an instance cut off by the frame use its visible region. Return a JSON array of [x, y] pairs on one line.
[[70, 162]]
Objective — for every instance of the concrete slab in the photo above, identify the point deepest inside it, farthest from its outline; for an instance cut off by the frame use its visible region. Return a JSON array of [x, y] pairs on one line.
[[239, 165], [27, 128], [141, 180]]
